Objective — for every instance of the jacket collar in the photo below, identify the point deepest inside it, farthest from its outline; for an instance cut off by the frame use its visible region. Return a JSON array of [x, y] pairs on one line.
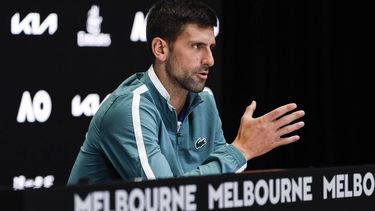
[[159, 86]]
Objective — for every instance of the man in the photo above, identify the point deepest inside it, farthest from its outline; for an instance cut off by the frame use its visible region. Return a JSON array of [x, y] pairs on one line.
[[163, 122]]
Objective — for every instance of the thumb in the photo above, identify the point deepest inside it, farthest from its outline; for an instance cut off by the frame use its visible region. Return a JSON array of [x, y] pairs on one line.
[[251, 108]]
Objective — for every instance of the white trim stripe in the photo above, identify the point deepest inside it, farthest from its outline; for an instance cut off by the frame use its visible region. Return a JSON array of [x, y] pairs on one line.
[[159, 86], [207, 89], [242, 168], [140, 90], [138, 132]]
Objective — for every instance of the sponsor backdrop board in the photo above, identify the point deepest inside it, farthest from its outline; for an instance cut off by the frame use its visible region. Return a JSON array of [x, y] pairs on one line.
[[60, 59]]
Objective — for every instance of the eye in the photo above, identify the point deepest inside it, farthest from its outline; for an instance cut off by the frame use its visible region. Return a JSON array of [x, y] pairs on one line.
[[197, 45]]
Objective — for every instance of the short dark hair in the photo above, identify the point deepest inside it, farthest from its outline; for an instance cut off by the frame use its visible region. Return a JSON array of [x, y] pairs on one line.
[[166, 18]]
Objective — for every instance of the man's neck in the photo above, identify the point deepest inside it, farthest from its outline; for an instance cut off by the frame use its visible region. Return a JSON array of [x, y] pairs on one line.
[[177, 94], [178, 100]]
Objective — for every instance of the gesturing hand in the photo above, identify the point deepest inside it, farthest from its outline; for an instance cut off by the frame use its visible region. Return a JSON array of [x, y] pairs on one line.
[[256, 136]]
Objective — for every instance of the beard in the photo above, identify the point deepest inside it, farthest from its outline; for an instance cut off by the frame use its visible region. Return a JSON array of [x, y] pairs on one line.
[[188, 80], [189, 84]]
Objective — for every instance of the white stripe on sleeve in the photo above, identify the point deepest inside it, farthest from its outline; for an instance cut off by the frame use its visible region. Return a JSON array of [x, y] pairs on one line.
[[138, 132]]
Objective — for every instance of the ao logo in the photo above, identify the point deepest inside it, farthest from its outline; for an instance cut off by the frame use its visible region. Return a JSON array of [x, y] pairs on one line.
[[31, 24], [37, 109]]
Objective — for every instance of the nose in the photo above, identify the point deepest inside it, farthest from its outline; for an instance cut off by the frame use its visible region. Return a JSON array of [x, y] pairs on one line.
[[208, 58]]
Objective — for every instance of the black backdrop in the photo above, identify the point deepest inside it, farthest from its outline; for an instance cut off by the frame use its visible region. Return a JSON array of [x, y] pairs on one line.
[[274, 52], [315, 53]]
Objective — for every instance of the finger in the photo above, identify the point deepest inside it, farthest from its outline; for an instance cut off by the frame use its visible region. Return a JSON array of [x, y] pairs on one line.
[[280, 111], [287, 119], [251, 108], [290, 128], [288, 140]]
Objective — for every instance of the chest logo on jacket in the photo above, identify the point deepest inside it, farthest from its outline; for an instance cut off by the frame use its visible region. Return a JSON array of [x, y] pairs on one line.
[[200, 142]]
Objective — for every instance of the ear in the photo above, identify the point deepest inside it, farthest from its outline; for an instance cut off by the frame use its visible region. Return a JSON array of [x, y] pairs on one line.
[[159, 48]]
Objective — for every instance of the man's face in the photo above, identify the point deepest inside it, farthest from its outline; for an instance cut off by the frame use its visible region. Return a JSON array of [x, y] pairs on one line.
[[191, 57]]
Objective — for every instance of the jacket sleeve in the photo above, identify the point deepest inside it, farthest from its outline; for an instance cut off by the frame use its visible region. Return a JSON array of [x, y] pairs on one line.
[[225, 159]]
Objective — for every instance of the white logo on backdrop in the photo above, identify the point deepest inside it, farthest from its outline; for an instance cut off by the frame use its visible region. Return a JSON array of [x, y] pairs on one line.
[[37, 109], [138, 32], [93, 37], [21, 182], [31, 25], [88, 106]]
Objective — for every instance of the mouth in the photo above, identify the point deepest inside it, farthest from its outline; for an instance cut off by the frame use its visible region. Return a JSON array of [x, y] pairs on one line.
[[203, 75]]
